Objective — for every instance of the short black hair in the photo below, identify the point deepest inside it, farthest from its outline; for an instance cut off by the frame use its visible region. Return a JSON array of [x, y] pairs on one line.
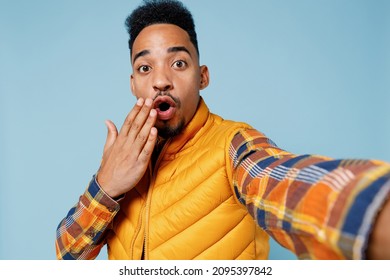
[[160, 11]]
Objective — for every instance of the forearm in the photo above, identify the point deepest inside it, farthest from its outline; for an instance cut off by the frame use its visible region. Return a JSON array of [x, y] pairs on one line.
[[80, 235], [70, 248], [313, 205]]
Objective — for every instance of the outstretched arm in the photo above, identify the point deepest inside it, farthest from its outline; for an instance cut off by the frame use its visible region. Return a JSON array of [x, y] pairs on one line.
[[317, 207]]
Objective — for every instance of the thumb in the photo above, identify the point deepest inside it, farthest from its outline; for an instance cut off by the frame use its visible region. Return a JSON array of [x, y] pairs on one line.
[[112, 133]]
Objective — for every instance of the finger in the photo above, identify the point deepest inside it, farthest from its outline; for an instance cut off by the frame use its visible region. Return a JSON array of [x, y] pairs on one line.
[[112, 133], [139, 142], [131, 116], [140, 120], [148, 148]]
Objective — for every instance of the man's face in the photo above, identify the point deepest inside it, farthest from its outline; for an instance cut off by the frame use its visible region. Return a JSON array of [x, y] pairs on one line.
[[166, 69]]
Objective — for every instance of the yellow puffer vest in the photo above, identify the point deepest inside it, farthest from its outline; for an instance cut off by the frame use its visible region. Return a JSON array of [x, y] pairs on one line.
[[186, 209]]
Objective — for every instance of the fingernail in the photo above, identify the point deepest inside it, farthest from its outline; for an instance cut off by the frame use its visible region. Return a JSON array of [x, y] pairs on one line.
[[140, 101], [148, 102], [152, 113]]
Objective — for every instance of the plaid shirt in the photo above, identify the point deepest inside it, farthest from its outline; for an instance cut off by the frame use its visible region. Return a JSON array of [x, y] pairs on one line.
[[315, 206]]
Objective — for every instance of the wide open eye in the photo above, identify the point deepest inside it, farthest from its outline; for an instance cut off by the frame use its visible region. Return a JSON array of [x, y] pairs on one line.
[[144, 69], [179, 64]]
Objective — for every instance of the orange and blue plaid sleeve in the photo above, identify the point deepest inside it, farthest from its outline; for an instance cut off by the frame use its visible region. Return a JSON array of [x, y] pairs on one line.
[[80, 235], [317, 207]]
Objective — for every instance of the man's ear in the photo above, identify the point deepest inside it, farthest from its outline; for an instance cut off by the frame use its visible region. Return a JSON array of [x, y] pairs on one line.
[[204, 77], [132, 84]]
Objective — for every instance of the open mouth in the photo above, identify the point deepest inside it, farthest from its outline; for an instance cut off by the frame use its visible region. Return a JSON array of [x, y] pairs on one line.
[[163, 103], [165, 107]]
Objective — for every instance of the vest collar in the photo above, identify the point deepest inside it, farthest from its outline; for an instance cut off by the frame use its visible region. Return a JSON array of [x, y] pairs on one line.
[[176, 143]]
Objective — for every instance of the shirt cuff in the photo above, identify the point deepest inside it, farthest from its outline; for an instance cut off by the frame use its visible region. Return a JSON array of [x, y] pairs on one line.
[[96, 193]]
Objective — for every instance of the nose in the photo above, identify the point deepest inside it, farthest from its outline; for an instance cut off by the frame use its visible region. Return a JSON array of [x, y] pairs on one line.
[[161, 81]]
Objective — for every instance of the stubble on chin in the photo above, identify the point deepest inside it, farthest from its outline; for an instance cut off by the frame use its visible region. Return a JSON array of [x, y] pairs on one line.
[[168, 131]]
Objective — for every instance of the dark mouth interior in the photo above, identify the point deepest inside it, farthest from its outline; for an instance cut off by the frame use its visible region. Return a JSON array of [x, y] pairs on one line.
[[164, 106]]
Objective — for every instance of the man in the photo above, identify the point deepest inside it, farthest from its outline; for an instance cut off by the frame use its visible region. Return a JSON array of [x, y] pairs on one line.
[[178, 182]]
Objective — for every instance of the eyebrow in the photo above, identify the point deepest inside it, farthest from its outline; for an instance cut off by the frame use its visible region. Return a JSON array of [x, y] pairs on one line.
[[179, 49], [141, 53], [170, 50]]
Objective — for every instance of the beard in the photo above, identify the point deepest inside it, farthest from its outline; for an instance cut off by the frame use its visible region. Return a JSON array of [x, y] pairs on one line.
[[168, 131]]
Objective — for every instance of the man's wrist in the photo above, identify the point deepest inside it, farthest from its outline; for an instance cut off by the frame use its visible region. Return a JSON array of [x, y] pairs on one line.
[[116, 198], [95, 192]]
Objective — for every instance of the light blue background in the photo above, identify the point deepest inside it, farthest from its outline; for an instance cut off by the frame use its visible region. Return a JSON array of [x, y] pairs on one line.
[[312, 75]]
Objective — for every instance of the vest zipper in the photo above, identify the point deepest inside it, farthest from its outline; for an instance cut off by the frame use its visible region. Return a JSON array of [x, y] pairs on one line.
[[139, 226], [149, 196]]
